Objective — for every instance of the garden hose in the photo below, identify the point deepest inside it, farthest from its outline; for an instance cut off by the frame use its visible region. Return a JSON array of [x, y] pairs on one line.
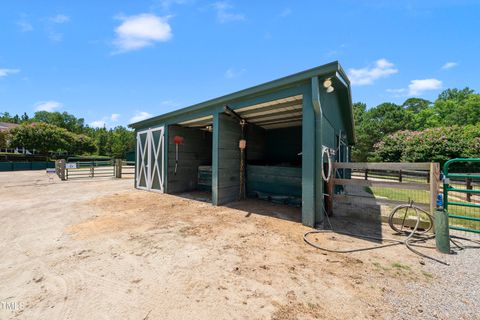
[[325, 150], [413, 237]]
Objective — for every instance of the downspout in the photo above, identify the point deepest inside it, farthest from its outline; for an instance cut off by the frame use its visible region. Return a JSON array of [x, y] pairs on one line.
[[317, 108]]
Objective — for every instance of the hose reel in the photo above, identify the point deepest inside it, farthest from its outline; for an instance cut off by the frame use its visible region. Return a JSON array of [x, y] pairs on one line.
[[329, 153]]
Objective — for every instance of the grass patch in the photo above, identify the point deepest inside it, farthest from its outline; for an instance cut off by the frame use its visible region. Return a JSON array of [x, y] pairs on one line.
[[398, 265], [380, 266], [418, 196]]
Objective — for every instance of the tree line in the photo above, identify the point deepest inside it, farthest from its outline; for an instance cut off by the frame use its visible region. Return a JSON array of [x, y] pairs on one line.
[[419, 130], [63, 132]]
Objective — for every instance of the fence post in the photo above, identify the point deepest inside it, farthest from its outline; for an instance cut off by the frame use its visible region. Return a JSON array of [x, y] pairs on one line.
[[366, 174], [118, 168], [60, 168], [400, 175], [330, 188], [434, 185], [469, 187]]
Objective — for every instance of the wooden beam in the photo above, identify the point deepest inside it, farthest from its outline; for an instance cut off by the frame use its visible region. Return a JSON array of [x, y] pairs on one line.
[[276, 115], [349, 199], [393, 166], [293, 105], [330, 189], [200, 120], [282, 125], [383, 184], [278, 121], [434, 185]]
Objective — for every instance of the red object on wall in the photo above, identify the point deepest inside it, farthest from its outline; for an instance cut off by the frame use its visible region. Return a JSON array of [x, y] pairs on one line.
[[242, 144], [178, 140]]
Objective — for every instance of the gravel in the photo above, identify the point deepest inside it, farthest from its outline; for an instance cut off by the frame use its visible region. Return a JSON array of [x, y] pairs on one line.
[[452, 293]]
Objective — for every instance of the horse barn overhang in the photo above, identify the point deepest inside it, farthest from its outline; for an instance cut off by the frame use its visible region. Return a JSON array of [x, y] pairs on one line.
[[284, 124]]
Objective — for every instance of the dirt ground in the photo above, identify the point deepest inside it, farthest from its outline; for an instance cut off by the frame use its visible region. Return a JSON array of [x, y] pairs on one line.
[[99, 249]]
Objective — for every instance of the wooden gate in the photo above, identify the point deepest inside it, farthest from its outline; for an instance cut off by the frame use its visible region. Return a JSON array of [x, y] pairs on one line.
[[384, 183]]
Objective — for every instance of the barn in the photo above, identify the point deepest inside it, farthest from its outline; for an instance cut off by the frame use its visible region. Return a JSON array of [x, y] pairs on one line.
[[272, 141]]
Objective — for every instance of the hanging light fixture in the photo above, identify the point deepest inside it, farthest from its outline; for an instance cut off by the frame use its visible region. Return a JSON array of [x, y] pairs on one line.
[[327, 84]]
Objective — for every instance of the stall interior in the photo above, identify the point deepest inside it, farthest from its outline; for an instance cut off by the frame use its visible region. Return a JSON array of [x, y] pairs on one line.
[[274, 150], [190, 157]]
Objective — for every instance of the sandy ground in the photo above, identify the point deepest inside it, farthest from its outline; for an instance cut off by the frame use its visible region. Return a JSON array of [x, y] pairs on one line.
[[99, 249]]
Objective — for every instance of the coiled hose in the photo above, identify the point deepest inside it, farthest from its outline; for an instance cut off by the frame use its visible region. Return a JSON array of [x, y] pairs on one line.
[[414, 236], [327, 177]]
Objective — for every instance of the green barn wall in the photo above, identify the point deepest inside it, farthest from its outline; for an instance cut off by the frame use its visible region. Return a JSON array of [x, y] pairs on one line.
[[284, 144], [274, 180], [334, 116], [328, 134], [228, 174], [256, 144]]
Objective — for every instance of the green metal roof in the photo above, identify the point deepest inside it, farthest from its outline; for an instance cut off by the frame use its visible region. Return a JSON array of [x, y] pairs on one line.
[[329, 69]]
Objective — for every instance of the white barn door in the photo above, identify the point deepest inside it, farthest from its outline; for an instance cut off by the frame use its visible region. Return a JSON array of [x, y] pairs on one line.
[[150, 159]]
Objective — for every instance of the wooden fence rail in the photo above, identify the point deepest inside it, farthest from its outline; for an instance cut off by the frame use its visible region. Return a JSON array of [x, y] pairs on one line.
[[425, 169]]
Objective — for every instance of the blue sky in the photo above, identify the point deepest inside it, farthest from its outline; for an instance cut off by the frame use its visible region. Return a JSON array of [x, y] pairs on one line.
[[113, 62]]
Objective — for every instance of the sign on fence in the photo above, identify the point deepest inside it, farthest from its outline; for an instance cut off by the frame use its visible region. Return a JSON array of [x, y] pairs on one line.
[[71, 165]]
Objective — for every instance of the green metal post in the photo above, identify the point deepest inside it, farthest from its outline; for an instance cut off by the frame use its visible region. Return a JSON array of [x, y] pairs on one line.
[[308, 161], [215, 163], [442, 234], [317, 107]]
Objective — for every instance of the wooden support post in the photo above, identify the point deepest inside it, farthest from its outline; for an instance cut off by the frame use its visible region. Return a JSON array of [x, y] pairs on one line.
[[366, 174], [469, 187], [118, 168], [400, 175], [330, 189], [434, 185]]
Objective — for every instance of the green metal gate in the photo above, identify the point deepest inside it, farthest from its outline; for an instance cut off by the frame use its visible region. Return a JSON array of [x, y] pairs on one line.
[[462, 203]]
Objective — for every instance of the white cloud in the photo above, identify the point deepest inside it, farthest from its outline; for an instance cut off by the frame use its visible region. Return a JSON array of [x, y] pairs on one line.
[[52, 33], [449, 65], [59, 19], [55, 36], [24, 25], [397, 93], [166, 4], [47, 106], [365, 76], [234, 73], [6, 72], [98, 124], [140, 31], [139, 116], [225, 14], [114, 117], [417, 87], [396, 90], [285, 13]]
